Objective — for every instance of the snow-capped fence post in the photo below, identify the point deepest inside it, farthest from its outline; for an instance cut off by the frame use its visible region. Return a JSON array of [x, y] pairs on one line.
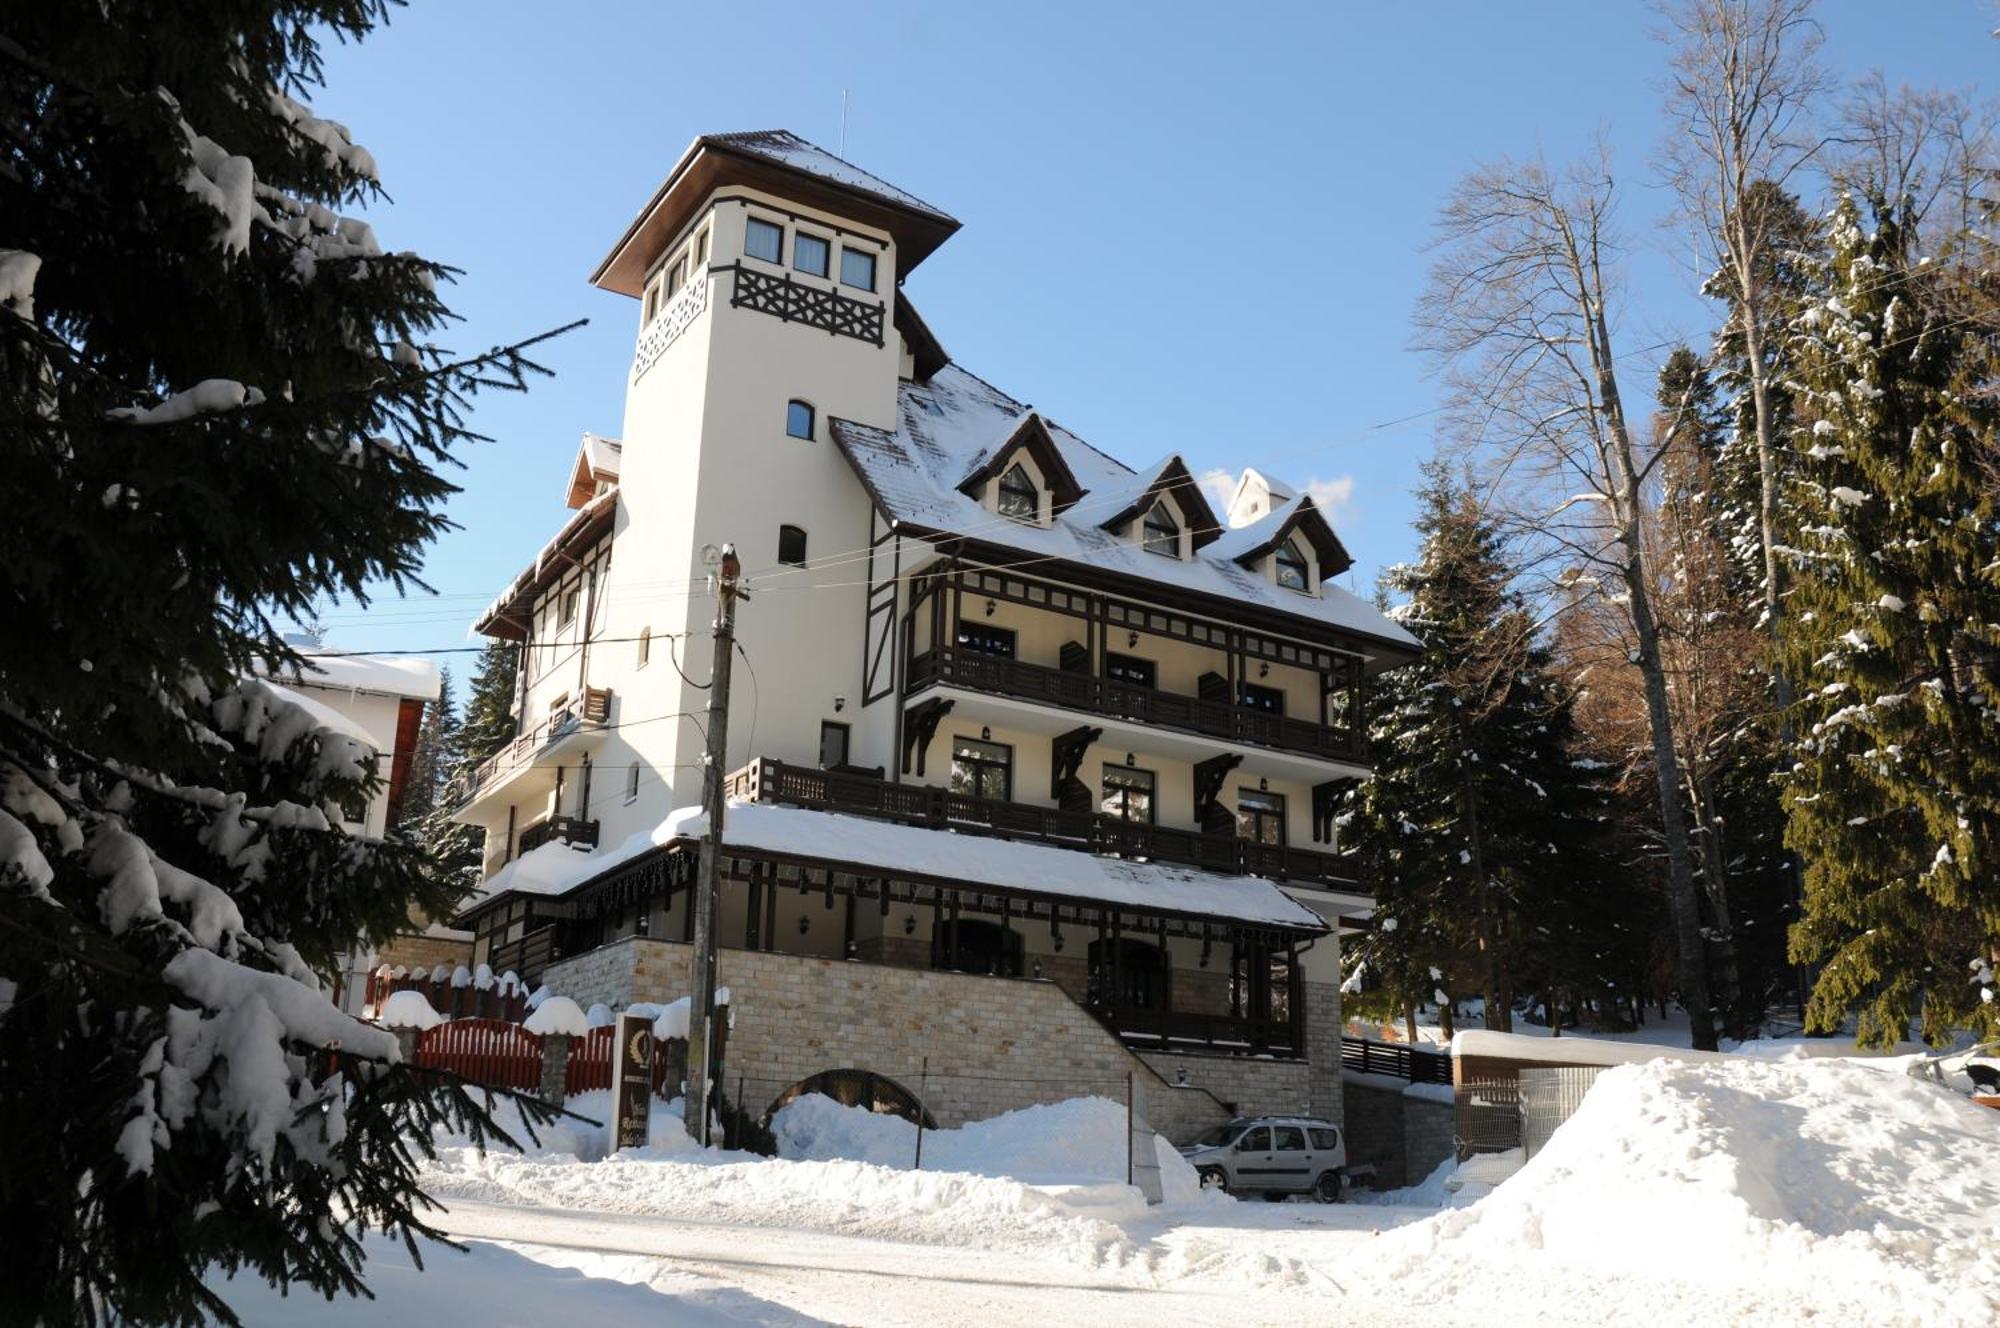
[[555, 1068]]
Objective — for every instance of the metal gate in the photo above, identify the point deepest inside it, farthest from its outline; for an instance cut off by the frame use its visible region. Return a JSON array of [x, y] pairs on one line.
[[1549, 1096]]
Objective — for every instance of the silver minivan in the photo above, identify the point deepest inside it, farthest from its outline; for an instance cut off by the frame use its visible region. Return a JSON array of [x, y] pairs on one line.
[[1274, 1156]]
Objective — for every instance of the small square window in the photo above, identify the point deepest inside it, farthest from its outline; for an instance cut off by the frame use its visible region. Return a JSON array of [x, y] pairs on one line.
[[568, 613], [1129, 793], [792, 546], [810, 253], [857, 268], [762, 239]]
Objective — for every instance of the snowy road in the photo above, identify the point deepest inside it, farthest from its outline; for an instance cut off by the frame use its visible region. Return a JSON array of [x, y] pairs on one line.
[[824, 1278]]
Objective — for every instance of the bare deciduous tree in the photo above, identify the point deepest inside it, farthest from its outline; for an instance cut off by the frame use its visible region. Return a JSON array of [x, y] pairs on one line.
[[1743, 78], [1519, 313]]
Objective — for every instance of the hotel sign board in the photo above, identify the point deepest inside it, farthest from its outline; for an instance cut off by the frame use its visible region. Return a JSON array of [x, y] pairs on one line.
[[632, 1054]]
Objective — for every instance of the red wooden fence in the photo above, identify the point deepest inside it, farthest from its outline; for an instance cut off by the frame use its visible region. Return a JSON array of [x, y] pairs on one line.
[[590, 1064], [485, 1051]]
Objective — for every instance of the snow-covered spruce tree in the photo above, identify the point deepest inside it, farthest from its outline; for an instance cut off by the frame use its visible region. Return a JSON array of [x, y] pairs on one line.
[[1477, 825], [216, 408], [1894, 798]]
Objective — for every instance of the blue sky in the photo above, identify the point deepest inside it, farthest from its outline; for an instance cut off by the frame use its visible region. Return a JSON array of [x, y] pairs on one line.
[[1188, 228]]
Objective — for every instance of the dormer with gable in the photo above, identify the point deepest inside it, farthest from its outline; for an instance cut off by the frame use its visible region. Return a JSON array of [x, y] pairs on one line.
[[1025, 478]]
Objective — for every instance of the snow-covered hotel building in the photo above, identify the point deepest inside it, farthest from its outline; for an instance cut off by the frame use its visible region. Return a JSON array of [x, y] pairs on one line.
[[1032, 754]]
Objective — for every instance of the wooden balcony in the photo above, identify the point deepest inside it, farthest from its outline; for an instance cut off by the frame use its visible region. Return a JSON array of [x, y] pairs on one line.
[[568, 829], [589, 710], [1081, 691], [768, 780]]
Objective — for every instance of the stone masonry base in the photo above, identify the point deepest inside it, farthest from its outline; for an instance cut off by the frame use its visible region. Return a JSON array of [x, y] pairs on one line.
[[970, 1046]]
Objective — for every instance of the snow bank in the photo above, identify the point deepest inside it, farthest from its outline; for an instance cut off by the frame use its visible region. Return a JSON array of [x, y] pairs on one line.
[[1078, 1142], [1846, 1190]]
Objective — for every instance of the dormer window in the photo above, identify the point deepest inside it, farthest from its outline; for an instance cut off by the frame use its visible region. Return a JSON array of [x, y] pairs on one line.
[[1293, 573], [1161, 534], [1019, 498]]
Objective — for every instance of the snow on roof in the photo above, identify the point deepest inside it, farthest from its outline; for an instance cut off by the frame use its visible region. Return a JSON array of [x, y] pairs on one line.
[[787, 149], [326, 717], [556, 869], [956, 417], [392, 675], [1570, 1050]]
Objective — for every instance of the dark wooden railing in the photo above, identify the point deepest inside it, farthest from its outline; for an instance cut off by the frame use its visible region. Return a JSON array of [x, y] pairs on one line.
[[568, 829], [1074, 690], [1176, 1030], [1395, 1059], [590, 709], [530, 956], [768, 780]]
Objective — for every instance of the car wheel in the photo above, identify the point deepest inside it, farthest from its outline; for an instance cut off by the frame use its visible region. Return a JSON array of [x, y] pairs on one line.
[[1214, 1178], [1329, 1187]]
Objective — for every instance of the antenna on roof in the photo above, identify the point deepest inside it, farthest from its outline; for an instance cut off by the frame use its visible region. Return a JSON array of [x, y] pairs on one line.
[[843, 122]]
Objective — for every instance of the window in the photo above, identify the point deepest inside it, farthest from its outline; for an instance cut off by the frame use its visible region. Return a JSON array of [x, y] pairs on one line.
[[1267, 699], [809, 253], [568, 612], [645, 646], [632, 782], [1256, 1141], [1019, 498], [701, 248], [832, 744], [1325, 1140], [981, 639], [1162, 535], [762, 239], [1131, 670], [1126, 974], [652, 301], [857, 268], [676, 274], [982, 769], [1288, 1139], [798, 420], [791, 546], [1128, 793], [1260, 817], [1293, 574]]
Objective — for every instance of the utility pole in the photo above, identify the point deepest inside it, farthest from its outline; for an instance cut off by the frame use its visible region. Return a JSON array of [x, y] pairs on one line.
[[708, 885]]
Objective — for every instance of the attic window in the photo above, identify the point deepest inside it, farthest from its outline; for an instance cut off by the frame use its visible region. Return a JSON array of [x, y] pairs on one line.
[[1162, 535], [792, 546], [1293, 574], [1019, 498]]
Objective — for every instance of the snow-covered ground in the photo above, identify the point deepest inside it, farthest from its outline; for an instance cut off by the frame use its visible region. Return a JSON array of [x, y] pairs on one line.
[[1737, 1191]]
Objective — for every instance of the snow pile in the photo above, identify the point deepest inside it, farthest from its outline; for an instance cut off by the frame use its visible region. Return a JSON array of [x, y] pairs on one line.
[[557, 1014], [408, 1009], [1078, 1142], [1846, 1190]]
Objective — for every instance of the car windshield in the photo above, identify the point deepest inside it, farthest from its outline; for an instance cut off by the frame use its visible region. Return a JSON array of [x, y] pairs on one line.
[[1220, 1137]]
